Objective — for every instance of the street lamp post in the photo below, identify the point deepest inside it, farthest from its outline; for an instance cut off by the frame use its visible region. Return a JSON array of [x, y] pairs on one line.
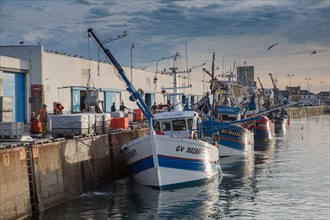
[[322, 93], [132, 62], [204, 81], [307, 82], [289, 75], [164, 58]]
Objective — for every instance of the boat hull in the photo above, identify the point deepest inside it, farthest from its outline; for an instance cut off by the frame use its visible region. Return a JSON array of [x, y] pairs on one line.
[[163, 161], [280, 124], [234, 139], [263, 129]]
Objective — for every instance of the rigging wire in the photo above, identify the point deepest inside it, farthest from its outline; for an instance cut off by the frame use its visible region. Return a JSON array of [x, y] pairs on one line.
[[89, 66]]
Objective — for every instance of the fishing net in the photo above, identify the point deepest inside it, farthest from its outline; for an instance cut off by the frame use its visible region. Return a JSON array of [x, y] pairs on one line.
[[91, 97]]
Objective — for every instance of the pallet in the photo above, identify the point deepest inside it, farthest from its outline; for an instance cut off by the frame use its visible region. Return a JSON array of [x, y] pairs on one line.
[[58, 139], [41, 141], [8, 145], [9, 136]]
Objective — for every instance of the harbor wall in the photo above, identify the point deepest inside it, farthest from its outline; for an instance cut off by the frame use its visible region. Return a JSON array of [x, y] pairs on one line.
[[14, 186], [38, 176], [307, 111]]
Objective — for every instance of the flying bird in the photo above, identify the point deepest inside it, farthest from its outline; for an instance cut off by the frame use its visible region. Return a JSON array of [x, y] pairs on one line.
[[314, 52], [272, 46], [22, 42]]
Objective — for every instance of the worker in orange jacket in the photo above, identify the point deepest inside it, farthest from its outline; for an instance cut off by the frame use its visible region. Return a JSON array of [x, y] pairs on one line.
[[43, 117]]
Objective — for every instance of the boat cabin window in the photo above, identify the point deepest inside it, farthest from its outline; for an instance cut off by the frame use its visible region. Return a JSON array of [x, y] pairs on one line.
[[228, 117], [166, 126], [179, 125], [190, 124]]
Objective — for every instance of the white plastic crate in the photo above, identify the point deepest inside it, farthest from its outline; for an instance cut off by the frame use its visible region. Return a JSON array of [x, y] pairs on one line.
[[71, 124], [106, 122], [11, 129]]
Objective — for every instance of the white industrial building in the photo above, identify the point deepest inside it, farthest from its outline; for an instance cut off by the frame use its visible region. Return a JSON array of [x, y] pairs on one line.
[[31, 76]]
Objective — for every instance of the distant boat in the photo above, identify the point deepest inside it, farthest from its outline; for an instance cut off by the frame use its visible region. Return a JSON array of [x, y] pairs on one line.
[[234, 139], [223, 118], [281, 123], [263, 128]]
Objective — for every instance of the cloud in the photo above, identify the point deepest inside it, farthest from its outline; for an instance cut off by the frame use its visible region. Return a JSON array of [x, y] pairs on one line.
[[240, 28]]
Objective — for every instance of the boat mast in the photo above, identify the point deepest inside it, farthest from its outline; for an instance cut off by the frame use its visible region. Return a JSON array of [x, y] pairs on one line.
[[175, 88], [135, 95], [275, 90]]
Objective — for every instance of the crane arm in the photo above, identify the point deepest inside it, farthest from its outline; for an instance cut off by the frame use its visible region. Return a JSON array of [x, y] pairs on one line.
[[262, 88], [135, 96]]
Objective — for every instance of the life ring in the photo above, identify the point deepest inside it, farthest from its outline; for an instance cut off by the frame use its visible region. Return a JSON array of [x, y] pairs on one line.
[[195, 135], [140, 91], [56, 111], [214, 138]]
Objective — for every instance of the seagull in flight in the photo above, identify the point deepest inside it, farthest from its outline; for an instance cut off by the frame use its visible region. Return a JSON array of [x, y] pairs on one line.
[[314, 52], [272, 46]]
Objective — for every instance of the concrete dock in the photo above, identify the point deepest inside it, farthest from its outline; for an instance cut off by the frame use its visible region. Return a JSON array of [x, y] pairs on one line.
[[38, 175]]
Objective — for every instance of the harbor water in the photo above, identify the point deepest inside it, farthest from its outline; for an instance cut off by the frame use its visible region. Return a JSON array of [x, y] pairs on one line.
[[288, 179]]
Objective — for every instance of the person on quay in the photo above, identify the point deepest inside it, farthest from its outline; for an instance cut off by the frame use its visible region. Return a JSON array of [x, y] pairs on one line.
[[122, 107], [43, 117], [113, 107], [154, 108], [58, 109]]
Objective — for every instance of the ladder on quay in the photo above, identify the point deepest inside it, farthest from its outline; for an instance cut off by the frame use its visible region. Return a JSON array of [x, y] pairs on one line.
[[31, 179]]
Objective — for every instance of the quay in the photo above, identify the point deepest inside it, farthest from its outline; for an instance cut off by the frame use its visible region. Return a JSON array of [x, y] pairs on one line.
[[307, 111], [37, 175]]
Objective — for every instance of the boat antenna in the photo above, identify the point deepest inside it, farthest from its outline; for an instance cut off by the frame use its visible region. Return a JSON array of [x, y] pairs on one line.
[[187, 63]]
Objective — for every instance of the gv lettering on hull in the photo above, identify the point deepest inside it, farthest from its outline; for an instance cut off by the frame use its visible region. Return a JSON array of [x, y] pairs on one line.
[[131, 154], [230, 132], [189, 150]]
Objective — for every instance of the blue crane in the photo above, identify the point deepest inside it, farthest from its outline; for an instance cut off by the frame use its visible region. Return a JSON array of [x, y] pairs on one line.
[[135, 95]]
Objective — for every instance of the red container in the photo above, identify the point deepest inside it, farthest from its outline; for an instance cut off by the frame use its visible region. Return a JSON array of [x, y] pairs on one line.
[[138, 116], [117, 123]]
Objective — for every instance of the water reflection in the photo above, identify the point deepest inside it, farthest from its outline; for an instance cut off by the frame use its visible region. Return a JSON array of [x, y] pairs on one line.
[[126, 199], [237, 185], [285, 179]]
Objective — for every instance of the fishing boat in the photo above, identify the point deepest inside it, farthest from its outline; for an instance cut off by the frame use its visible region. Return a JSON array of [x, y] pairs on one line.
[[274, 106], [223, 119], [281, 122], [172, 159], [234, 138], [175, 153], [263, 128]]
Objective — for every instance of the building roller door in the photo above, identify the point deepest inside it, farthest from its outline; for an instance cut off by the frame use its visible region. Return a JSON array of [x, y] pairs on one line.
[[14, 86]]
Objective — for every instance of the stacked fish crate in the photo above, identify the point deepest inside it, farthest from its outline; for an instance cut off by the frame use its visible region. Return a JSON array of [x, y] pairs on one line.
[[6, 109], [80, 124], [11, 130]]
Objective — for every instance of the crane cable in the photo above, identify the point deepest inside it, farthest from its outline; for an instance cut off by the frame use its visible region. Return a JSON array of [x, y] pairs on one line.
[[89, 66]]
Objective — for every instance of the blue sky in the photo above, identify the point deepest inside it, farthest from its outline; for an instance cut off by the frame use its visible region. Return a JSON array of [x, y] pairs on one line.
[[237, 30]]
